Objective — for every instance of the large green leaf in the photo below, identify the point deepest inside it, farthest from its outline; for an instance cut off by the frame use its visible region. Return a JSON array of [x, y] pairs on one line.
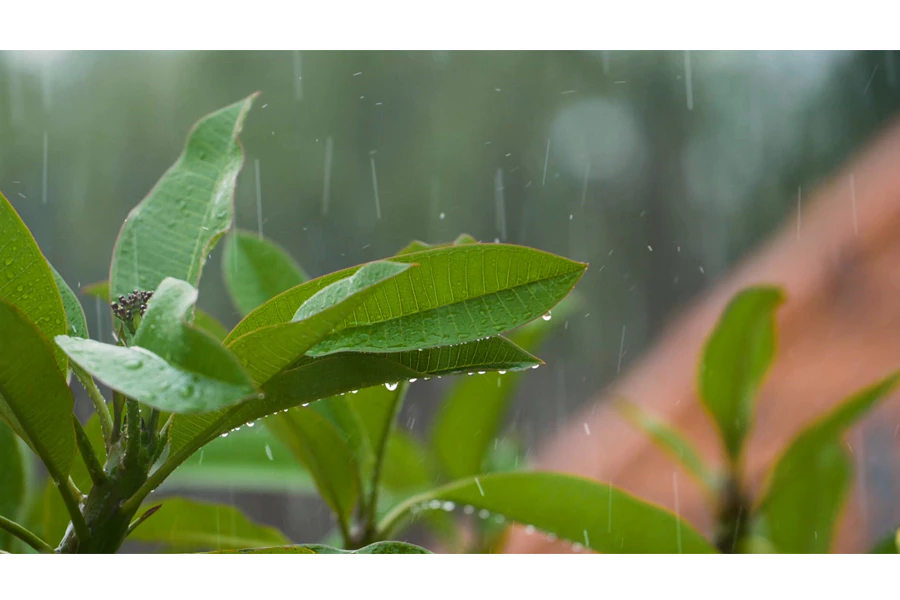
[[256, 270], [77, 324], [202, 320], [673, 443], [454, 294], [735, 360], [318, 445], [809, 482], [250, 459], [376, 548], [582, 511], [26, 280], [172, 366], [34, 397], [472, 412], [182, 524], [264, 352], [12, 479], [171, 232], [314, 379]]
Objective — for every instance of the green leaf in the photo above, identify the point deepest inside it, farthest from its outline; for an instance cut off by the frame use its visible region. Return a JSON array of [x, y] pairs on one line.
[[582, 511], [26, 280], [172, 231], [407, 465], [341, 411], [673, 443], [202, 319], [267, 351], [314, 379], [185, 525], [34, 397], [77, 324], [809, 483], [250, 459], [256, 270], [735, 360], [472, 412], [12, 479], [172, 366], [455, 295], [418, 246], [376, 548], [319, 447]]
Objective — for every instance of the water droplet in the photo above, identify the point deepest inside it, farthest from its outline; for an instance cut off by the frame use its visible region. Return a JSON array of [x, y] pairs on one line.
[[529, 530], [441, 216], [546, 316], [481, 372], [391, 386], [468, 509], [354, 391], [187, 391], [413, 380], [501, 372], [448, 506], [133, 363], [483, 514], [434, 504], [224, 434], [269, 452], [534, 366], [250, 424]]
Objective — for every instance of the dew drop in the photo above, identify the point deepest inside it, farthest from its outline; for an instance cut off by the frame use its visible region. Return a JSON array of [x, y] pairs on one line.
[[391, 386], [546, 316], [483, 514], [448, 506], [481, 372], [534, 366], [469, 509], [133, 363], [441, 216], [413, 380], [224, 434], [529, 530], [434, 504], [501, 372], [250, 424]]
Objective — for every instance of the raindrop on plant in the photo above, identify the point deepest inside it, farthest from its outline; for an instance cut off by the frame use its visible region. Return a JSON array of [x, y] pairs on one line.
[[391, 386], [546, 316]]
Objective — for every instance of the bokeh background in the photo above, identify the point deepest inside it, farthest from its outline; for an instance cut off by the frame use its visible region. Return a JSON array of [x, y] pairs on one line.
[[660, 169]]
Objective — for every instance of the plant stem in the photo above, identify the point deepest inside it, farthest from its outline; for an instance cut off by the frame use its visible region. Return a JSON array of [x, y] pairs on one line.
[[87, 382], [78, 523], [132, 431], [95, 470], [371, 526], [118, 403], [732, 521], [146, 515], [26, 536]]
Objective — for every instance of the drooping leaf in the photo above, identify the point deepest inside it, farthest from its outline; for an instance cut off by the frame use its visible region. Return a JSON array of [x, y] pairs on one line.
[[319, 447], [77, 324], [12, 480], [586, 512], [735, 360], [34, 397], [172, 366], [376, 548], [182, 524], [202, 320], [26, 280], [173, 229], [314, 379], [809, 483], [256, 270], [250, 459], [472, 412], [673, 443], [267, 351]]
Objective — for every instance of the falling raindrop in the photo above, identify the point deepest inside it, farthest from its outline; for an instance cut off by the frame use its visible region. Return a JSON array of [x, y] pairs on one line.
[[269, 452]]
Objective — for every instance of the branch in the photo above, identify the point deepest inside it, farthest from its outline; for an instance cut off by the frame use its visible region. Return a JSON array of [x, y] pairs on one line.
[[87, 453], [87, 382]]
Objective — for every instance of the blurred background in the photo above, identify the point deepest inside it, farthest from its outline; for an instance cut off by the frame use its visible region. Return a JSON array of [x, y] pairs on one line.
[[660, 169]]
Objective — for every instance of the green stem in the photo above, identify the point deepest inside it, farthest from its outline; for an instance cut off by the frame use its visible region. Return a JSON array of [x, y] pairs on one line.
[[26, 536], [118, 403], [87, 382], [371, 529], [78, 523], [95, 469], [146, 515], [132, 431], [390, 520]]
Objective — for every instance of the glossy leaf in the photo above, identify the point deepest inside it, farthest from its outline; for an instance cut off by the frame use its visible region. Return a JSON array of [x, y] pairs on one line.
[[472, 412], [672, 442], [376, 548], [314, 379], [171, 366], [12, 479], [586, 512], [182, 524], [26, 280], [318, 446], [34, 397], [528, 282], [267, 351], [172, 231], [809, 483], [418, 245], [76, 322], [455, 295], [250, 459], [256, 270], [735, 360], [202, 320]]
